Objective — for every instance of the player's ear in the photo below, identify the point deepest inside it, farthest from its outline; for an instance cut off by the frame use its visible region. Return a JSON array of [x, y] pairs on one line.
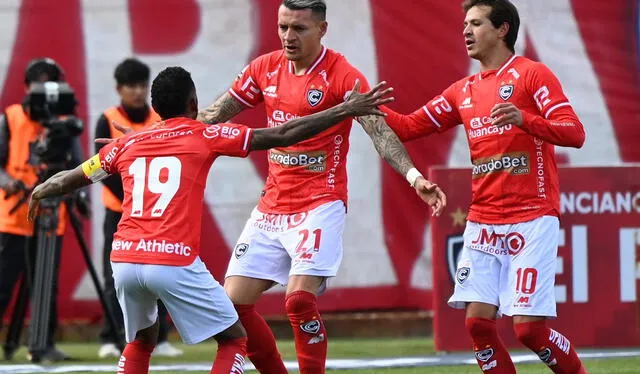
[[323, 28], [503, 30]]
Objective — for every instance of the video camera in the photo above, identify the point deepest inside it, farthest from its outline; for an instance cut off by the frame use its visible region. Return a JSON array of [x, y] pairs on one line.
[[53, 105]]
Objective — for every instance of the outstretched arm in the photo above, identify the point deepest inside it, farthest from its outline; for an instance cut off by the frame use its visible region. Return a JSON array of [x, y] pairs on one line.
[[222, 110], [302, 128], [391, 150], [62, 183]]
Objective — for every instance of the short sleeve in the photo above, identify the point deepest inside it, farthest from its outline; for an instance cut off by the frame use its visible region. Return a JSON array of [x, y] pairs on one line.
[[348, 80], [103, 164], [545, 89], [228, 139], [246, 88]]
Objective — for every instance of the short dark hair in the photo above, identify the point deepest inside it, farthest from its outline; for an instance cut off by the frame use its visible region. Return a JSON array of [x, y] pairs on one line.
[[132, 71], [170, 92], [318, 7], [39, 67], [501, 11]]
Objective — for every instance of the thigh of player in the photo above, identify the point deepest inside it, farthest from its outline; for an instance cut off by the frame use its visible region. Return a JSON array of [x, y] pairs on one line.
[[138, 304], [197, 303], [477, 274], [529, 288], [258, 253], [315, 244]]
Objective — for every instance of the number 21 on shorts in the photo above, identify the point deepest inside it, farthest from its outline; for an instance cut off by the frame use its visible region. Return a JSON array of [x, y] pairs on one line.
[[302, 249], [150, 179]]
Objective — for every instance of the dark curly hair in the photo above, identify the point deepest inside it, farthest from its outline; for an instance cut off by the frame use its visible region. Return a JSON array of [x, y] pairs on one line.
[[170, 92]]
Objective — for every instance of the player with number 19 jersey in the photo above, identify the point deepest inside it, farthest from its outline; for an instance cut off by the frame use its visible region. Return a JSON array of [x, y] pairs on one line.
[[164, 173]]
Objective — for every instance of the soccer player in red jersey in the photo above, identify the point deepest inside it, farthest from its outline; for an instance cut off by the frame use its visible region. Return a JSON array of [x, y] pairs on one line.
[[514, 112], [156, 247], [294, 236]]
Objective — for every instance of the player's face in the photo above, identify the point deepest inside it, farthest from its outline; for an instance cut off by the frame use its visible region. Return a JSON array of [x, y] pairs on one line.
[[134, 95], [480, 37], [300, 33]]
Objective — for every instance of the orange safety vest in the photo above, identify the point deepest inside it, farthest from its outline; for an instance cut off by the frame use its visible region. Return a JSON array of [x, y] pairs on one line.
[[23, 131], [110, 200]]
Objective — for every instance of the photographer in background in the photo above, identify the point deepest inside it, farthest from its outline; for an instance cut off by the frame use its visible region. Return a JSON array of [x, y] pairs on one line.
[[18, 242], [132, 84]]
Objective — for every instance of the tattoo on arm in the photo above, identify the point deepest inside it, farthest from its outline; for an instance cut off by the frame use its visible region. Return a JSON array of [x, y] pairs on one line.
[[387, 143], [222, 110]]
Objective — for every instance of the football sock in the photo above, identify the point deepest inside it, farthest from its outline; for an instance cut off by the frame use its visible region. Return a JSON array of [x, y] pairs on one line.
[[135, 358], [491, 354], [308, 330], [230, 357]]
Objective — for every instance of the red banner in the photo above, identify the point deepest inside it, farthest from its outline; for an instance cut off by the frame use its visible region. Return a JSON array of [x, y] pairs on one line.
[[596, 264]]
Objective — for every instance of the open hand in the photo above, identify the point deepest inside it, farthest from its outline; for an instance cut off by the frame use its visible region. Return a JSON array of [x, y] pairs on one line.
[[363, 104], [431, 194]]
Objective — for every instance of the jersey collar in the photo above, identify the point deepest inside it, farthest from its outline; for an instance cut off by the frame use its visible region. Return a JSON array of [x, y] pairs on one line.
[[502, 68], [317, 62]]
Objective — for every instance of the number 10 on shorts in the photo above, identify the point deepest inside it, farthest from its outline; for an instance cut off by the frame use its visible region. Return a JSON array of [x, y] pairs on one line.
[[526, 279]]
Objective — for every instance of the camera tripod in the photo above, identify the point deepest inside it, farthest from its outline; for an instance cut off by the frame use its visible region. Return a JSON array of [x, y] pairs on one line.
[[43, 277]]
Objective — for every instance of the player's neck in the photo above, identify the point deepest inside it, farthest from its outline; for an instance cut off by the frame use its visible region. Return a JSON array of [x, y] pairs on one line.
[[496, 59], [301, 66]]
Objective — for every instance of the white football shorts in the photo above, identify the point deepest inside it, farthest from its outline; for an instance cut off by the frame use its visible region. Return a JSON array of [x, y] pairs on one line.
[[511, 266], [277, 246], [198, 305]]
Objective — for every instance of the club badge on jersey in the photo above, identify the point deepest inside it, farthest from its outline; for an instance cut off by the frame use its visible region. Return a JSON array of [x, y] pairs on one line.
[[505, 91], [314, 96]]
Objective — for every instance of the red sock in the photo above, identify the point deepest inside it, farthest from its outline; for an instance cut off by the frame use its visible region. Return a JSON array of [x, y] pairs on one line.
[[261, 345], [552, 347], [491, 354], [135, 358], [230, 357], [308, 331]]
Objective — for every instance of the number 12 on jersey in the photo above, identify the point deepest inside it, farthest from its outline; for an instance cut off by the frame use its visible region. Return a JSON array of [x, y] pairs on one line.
[[148, 178]]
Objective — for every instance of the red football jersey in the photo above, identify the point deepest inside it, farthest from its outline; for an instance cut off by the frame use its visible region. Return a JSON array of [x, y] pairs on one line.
[[164, 174], [311, 172], [514, 173]]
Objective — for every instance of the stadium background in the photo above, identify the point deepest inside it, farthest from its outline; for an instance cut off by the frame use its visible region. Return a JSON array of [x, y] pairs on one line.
[[416, 45]]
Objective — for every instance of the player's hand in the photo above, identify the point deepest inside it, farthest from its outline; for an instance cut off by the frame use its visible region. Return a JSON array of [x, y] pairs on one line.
[[126, 131], [431, 194], [364, 104], [34, 205], [506, 114]]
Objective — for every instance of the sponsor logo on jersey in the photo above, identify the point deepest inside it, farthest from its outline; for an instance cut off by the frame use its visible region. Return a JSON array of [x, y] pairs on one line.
[[315, 161], [505, 91], [466, 104], [223, 131], [314, 96], [270, 91], [483, 126], [514, 163], [152, 245]]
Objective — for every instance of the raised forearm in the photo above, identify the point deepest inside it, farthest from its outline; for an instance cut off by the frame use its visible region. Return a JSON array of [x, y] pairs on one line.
[[387, 143], [222, 110], [61, 183]]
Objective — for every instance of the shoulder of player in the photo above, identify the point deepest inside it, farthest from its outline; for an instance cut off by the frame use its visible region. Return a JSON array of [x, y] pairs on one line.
[[268, 60], [529, 67]]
